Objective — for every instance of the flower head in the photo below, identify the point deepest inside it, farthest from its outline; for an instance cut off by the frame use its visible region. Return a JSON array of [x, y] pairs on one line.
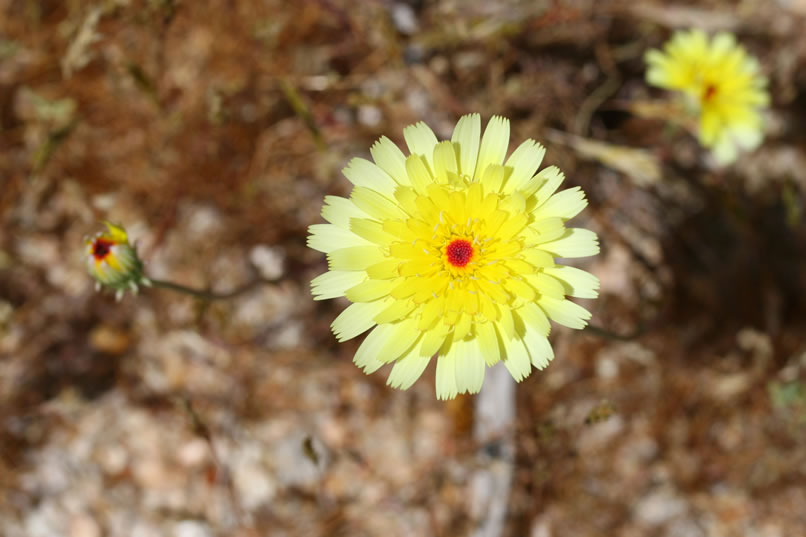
[[452, 251], [113, 262], [722, 83]]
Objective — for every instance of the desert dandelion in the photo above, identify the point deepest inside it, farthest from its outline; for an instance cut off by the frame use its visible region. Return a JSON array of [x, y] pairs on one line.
[[113, 262], [722, 85], [453, 252]]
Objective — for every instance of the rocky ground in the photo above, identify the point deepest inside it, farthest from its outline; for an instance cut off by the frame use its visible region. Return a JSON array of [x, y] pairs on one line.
[[212, 130]]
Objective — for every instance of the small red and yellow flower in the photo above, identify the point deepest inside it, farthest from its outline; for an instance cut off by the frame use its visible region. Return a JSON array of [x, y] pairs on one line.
[[113, 262]]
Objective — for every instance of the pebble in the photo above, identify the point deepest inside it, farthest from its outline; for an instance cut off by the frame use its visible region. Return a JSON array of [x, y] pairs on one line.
[[113, 459], [369, 116], [269, 260], [659, 507], [404, 19], [191, 528], [193, 453], [84, 525], [109, 340]]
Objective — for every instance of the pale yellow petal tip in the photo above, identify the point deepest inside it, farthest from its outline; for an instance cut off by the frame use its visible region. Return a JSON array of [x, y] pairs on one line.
[[473, 116]]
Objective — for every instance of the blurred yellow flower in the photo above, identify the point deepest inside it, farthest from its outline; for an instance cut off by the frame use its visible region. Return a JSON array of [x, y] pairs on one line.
[[451, 252], [722, 83], [113, 262]]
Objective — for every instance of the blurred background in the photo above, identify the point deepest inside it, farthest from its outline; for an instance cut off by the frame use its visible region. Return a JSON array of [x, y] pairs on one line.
[[212, 130]]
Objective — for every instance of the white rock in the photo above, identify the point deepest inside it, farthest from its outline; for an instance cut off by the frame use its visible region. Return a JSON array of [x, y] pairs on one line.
[[113, 459], [269, 260], [193, 452], [404, 18], [659, 507], [84, 525], [370, 116], [191, 528], [607, 368], [253, 483], [202, 221]]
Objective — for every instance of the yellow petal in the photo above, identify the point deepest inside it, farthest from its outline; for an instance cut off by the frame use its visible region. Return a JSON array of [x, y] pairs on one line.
[[462, 327], [492, 178], [466, 136], [421, 141], [489, 344], [375, 204], [399, 340], [566, 205], [370, 290], [546, 230], [355, 258], [494, 272], [362, 172], [340, 211], [434, 339], [384, 270], [418, 173], [431, 312], [335, 283], [445, 161], [488, 308], [512, 226], [408, 369], [565, 312], [576, 242], [357, 319], [577, 283], [391, 159], [539, 348], [537, 258], [370, 230], [517, 360], [506, 324], [550, 180], [493, 290], [367, 355], [494, 144], [446, 372], [406, 197], [116, 233], [524, 162], [420, 266], [520, 288], [396, 311], [546, 285], [469, 365]]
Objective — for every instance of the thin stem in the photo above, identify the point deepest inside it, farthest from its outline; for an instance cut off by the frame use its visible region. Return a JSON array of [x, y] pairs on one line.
[[205, 294], [607, 334]]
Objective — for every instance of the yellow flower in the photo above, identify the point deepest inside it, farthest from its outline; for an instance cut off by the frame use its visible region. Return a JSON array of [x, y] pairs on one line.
[[722, 83], [113, 262], [451, 252]]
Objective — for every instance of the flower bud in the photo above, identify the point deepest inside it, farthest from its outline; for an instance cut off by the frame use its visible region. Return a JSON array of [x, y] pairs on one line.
[[113, 262]]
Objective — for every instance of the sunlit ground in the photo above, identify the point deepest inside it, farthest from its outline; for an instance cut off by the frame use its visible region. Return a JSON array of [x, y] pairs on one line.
[[212, 131]]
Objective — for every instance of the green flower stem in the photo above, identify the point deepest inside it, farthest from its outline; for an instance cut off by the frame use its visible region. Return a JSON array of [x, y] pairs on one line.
[[607, 334], [204, 294]]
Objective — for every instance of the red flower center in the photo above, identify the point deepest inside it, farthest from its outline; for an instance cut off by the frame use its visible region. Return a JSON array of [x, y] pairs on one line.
[[710, 91], [459, 252], [101, 248]]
